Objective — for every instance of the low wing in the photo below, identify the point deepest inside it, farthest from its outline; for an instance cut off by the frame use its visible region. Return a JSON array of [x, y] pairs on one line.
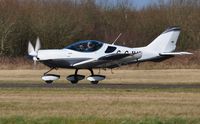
[[92, 63], [174, 53], [85, 62], [114, 57]]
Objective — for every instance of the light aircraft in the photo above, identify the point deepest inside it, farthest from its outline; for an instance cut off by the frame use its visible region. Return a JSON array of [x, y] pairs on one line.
[[90, 54]]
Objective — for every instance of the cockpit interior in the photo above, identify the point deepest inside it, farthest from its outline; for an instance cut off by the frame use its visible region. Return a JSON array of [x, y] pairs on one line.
[[85, 46]]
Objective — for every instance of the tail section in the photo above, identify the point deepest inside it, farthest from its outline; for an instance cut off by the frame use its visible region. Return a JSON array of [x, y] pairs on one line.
[[166, 42]]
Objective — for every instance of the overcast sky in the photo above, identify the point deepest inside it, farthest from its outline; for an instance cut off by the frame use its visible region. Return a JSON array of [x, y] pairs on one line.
[[142, 3], [136, 3]]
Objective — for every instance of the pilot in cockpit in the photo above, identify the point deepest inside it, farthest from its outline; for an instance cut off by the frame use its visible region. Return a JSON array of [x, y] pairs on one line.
[[90, 46], [81, 47]]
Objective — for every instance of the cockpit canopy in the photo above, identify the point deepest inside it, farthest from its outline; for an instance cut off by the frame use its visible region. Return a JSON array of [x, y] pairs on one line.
[[85, 46]]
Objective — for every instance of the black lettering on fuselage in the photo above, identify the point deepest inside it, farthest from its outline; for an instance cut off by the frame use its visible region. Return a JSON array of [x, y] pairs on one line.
[[119, 51], [132, 52]]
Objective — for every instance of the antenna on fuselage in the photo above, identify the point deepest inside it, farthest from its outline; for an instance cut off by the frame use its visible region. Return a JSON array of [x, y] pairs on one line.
[[117, 38]]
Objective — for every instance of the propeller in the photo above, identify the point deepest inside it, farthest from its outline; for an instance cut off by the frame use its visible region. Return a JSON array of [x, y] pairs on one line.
[[34, 52], [37, 45]]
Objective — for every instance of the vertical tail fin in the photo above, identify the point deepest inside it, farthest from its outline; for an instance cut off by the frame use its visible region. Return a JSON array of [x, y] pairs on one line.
[[166, 42]]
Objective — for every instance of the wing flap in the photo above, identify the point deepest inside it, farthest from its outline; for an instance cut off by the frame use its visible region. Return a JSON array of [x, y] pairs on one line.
[[174, 53], [109, 60], [91, 63]]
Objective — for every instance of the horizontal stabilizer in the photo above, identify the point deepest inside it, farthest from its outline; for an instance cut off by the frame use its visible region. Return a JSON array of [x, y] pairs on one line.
[[175, 53]]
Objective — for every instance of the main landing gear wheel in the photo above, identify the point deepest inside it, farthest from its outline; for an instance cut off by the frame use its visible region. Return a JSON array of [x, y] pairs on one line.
[[94, 79], [74, 79], [74, 82], [49, 82]]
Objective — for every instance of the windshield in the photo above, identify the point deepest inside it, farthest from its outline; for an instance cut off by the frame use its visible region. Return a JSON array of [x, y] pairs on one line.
[[85, 46]]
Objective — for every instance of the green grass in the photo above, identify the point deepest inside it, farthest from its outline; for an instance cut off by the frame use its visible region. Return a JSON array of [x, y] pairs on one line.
[[94, 120], [101, 106], [169, 76], [98, 90], [100, 103]]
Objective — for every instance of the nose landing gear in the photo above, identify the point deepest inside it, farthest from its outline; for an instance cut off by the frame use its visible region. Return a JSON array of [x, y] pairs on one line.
[[49, 78]]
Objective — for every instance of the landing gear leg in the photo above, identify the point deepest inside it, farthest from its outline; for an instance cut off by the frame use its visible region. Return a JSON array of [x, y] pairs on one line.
[[49, 78], [92, 72], [48, 71], [76, 78]]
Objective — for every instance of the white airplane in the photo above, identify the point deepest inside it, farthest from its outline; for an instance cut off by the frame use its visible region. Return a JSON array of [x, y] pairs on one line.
[[90, 54]]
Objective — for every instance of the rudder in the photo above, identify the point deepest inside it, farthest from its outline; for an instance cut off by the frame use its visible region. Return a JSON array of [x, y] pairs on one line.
[[166, 42]]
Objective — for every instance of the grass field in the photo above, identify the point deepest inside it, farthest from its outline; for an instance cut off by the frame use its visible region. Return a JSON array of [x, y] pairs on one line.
[[111, 106], [119, 76], [99, 106]]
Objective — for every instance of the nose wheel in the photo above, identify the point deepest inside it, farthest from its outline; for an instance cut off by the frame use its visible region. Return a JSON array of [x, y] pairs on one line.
[[49, 78]]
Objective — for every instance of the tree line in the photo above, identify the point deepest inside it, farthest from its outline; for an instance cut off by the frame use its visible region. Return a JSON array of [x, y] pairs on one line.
[[60, 22]]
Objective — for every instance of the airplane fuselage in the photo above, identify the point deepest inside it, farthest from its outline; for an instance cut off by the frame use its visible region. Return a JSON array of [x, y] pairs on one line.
[[66, 58]]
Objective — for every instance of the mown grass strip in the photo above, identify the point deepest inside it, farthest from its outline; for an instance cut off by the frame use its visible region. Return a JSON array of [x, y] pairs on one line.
[[97, 90], [95, 120]]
